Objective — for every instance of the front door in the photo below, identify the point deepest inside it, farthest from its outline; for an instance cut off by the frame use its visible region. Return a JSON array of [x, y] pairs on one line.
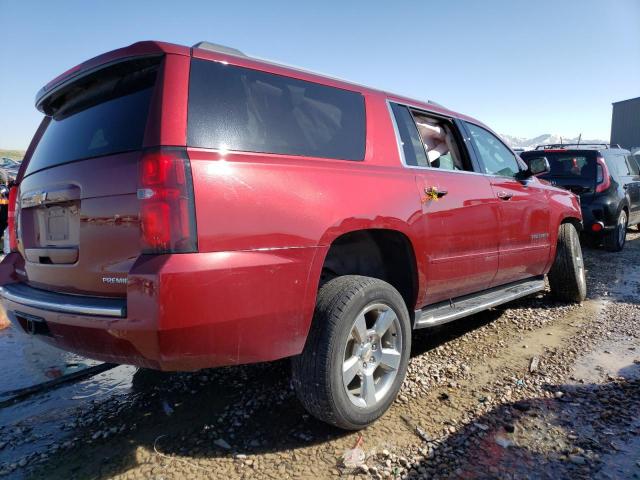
[[524, 213]]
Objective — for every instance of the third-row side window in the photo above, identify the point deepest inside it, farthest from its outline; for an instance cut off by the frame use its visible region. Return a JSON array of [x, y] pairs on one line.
[[242, 109]]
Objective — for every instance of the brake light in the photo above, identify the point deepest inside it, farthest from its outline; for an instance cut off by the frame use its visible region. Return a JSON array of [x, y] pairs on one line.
[[603, 179], [11, 219], [167, 212]]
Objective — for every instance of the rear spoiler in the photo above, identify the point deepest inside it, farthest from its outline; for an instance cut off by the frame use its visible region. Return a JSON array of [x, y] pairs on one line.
[[136, 50]]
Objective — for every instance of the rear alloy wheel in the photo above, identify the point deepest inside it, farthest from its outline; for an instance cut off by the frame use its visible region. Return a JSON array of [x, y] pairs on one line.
[[356, 354], [614, 240], [372, 355], [567, 277]]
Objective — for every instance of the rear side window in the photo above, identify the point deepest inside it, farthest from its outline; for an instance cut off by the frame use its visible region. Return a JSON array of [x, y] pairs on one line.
[[102, 114], [633, 164], [582, 164], [618, 163], [237, 108]]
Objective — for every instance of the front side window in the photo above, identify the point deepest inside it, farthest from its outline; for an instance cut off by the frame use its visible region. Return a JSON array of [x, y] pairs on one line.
[[236, 108], [496, 158]]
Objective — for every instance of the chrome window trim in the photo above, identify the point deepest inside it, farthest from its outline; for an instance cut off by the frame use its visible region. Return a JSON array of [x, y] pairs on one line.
[[399, 141], [65, 305]]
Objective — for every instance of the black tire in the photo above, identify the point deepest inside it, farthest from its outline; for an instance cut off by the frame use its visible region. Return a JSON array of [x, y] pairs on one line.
[[615, 239], [567, 276], [317, 371]]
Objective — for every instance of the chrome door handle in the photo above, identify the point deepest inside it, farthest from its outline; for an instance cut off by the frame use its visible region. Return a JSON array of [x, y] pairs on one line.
[[434, 193], [504, 195]]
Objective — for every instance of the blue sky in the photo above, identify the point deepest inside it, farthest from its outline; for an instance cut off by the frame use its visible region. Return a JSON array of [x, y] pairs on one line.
[[523, 67]]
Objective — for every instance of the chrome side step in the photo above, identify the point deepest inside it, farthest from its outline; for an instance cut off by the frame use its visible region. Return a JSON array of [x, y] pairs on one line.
[[444, 312]]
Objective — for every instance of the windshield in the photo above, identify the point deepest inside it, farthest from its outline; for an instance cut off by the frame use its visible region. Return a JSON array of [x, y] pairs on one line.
[[100, 115]]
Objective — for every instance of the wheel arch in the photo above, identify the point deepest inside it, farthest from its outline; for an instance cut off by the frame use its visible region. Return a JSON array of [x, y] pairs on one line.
[[384, 253], [573, 220]]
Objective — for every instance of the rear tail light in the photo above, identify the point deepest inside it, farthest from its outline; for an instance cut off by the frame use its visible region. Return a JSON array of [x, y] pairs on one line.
[[167, 212], [603, 179], [11, 219]]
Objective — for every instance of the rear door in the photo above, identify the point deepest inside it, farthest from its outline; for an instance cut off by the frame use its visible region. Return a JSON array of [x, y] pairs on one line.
[[524, 211], [459, 211], [78, 218]]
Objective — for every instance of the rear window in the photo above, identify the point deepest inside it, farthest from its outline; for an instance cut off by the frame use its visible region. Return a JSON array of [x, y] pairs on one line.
[[237, 108], [576, 164], [103, 114]]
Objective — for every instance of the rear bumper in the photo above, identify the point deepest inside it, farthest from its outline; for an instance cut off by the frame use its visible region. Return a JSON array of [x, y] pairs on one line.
[[182, 312], [22, 294], [597, 212]]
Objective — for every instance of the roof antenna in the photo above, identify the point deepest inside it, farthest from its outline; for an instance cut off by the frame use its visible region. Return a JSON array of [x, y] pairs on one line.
[[560, 140], [579, 138]]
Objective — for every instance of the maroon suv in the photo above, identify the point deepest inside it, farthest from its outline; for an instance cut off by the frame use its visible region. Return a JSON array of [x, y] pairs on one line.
[[182, 208]]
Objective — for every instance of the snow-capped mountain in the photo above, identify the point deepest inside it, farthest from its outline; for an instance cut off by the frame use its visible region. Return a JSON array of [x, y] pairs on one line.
[[547, 138]]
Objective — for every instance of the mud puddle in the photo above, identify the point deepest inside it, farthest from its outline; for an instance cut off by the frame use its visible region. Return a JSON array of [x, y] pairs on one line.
[[26, 361], [610, 359]]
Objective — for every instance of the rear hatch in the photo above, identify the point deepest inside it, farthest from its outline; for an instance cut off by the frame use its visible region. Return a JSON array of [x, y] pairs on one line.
[[573, 170], [78, 215]]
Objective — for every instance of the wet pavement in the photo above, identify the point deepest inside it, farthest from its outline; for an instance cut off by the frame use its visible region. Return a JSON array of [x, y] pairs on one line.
[[537, 389]]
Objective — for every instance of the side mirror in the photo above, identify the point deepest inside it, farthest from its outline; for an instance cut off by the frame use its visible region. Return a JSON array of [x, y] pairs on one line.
[[537, 166], [4, 191]]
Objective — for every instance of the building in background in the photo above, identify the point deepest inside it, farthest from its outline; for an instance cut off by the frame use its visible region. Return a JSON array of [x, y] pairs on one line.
[[625, 124]]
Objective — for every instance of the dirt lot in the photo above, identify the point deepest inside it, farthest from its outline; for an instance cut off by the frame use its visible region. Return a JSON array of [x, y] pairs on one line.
[[535, 390]]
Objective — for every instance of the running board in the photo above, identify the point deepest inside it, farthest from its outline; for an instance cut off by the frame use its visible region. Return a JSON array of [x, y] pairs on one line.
[[444, 312]]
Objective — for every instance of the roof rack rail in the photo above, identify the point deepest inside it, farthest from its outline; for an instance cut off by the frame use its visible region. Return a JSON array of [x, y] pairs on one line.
[[576, 145], [214, 47]]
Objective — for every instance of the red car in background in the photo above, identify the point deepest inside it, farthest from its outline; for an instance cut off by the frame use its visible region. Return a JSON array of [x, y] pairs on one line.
[[182, 208]]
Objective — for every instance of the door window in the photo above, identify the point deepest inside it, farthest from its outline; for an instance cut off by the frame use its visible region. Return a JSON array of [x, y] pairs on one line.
[[496, 158], [428, 141], [439, 143], [633, 165], [620, 165]]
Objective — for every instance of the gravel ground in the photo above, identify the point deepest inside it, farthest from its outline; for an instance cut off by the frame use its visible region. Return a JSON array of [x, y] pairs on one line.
[[536, 390]]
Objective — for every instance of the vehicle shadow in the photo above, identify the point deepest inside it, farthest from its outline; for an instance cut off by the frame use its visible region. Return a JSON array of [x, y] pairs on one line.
[[591, 431], [249, 409]]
